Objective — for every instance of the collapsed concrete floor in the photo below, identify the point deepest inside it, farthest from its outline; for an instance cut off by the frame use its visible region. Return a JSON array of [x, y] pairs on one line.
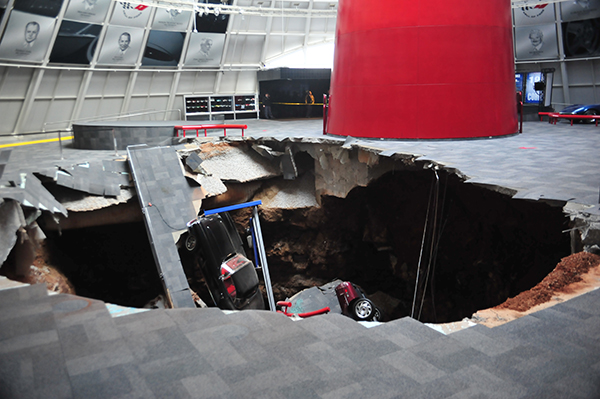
[[330, 212]]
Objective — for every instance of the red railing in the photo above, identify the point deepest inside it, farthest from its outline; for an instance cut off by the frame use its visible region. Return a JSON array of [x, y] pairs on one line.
[[197, 128]]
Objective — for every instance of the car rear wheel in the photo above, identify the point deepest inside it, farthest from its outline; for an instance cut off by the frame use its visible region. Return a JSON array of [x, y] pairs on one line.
[[363, 309], [191, 242]]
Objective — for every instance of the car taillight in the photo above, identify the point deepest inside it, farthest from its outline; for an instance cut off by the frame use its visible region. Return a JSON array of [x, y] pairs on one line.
[[230, 287]]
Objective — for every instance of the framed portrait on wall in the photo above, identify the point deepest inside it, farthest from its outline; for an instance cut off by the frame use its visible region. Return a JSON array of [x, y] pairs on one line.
[[536, 42], [163, 48], [130, 14], [171, 19], [48, 8], [534, 14], [205, 49], [121, 46], [27, 37], [76, 43], [87, 10], [576, 10]]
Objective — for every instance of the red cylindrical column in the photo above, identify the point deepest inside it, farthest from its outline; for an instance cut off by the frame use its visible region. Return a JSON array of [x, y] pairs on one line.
[[423, 70]]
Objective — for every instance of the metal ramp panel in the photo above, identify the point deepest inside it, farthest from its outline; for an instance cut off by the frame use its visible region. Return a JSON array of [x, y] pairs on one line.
[[165, 199]]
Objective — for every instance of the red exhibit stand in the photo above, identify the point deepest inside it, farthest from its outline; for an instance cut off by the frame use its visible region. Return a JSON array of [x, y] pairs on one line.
[[421, 69]]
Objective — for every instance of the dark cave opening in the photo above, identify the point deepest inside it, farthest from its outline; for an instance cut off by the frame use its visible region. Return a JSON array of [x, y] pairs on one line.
[[487, 248], [111, 263]]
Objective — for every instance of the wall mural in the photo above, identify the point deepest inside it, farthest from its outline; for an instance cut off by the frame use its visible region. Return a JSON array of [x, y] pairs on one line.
[[27, 37], [87, 10]]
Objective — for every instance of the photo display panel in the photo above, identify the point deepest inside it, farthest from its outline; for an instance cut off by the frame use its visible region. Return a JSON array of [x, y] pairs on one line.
[[163, 48], [211, 22], [130, 14], [581, 38], [534, 15], [87, 10], [76, 43], [48, 8], [122, 46], [536, 42], [576, 10], [27, 37], [531, 95], [171, 19], [205, 49]]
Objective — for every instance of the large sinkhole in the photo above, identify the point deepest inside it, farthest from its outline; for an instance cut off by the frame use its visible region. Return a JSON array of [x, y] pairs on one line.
[[462, 247]]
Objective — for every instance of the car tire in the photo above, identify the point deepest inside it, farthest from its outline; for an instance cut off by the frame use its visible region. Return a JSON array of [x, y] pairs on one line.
[[378, 316], [363, 309], [191, 242], [590, 112]]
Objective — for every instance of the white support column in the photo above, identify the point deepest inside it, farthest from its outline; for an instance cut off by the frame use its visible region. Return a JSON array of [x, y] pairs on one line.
[[268, 29]]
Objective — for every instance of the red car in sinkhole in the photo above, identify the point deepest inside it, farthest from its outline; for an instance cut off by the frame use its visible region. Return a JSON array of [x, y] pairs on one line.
[[213, 245], [355, 304]]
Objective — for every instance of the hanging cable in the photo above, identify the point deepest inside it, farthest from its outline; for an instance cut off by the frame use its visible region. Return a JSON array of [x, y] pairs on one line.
[[437, 245], [433, 235], [412, 313]]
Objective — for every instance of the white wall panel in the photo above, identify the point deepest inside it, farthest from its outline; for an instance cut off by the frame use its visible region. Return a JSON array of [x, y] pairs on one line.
[[10, 112], [245, 49], [48, 84], [70, 82], [16, 83], [39, 110], [60, 110], [97, 82], [46, 112], [116, 83], [161, 83], [197, 82], [158, 103], [582, 95], [579, 73], [97, 107], [142, 83], [247, 82], [229, 82]]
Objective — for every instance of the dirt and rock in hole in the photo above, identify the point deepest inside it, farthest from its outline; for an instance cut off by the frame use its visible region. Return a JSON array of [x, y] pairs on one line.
[[489, 248]]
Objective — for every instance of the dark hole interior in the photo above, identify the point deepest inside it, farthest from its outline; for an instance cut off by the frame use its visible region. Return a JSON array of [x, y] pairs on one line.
[[486, 248]]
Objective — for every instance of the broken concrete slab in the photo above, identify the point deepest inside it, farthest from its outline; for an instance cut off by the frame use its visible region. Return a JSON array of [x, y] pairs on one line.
[[286, 194], [193, 162], [11, 220], [236, 162], [288, 165], [29, 191]]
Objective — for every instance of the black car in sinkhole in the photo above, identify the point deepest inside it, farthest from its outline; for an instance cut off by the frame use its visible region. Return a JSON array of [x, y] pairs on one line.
[[213, 245]]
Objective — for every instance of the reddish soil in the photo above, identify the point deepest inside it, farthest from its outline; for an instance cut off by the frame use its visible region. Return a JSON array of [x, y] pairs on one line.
[[567, 272]]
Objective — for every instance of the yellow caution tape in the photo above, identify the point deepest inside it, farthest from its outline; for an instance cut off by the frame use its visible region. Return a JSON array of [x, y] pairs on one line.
[[35, 142]]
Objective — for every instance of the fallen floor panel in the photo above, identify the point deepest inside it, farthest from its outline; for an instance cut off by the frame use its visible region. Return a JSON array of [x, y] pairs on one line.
[[165, 201]]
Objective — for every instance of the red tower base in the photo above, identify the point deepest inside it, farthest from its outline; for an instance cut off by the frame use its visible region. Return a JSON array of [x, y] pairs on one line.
[[419, 69]]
